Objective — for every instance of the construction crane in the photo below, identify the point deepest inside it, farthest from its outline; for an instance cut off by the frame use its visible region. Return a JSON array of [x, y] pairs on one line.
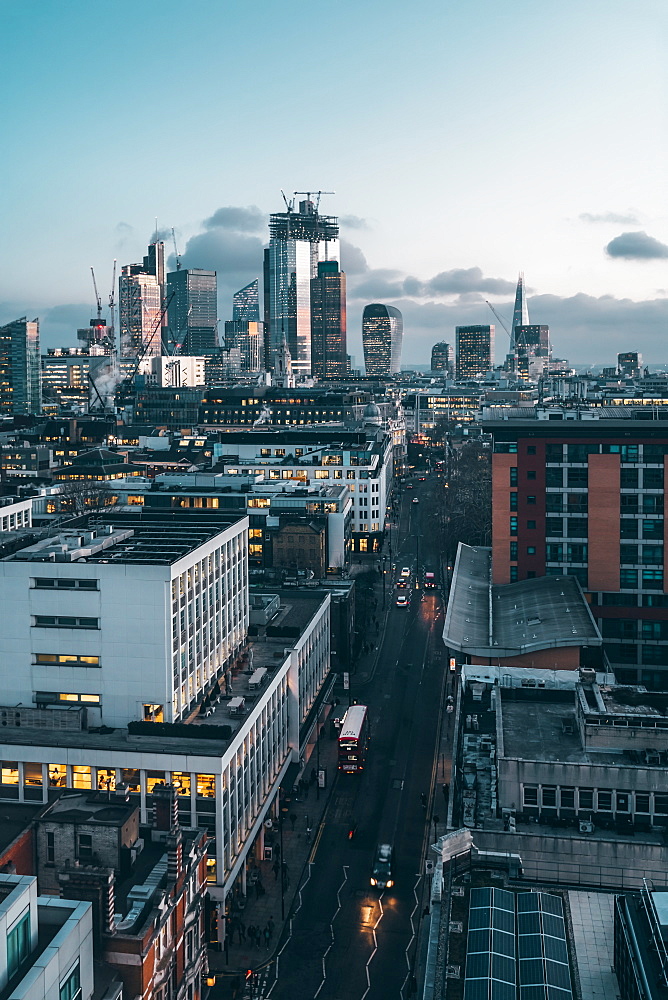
[[500, 321], [125, 387], [308, 194], [98, 300], [176, 251]]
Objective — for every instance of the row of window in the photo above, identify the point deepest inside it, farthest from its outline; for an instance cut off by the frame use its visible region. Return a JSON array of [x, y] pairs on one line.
[[595, 800], [633, 628], [651, 656], [13, 772], [67, 659], [64, 621], [648, 453], [63, 583]]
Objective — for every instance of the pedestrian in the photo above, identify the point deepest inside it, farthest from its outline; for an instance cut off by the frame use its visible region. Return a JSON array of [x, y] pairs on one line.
[[276, 867], [258, 889], [262, 888], [242, 931], [314, 776], [251, 934], [293, 819], [267, 936], [423, 800], [258, 936], [270, 926]]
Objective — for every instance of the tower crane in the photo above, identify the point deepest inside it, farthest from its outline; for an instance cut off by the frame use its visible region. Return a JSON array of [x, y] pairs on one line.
[[125, 386], [317, 195], [500, 320], [176, 251], [98, 300]]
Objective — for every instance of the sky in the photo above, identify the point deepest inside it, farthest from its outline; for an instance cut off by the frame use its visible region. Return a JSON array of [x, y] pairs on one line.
[[466, 142]]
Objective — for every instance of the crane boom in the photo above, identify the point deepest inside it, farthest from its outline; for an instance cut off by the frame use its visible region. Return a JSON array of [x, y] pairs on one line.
[[176, 251], [499, 319], [98, 300], [126, 384], [317, 193]]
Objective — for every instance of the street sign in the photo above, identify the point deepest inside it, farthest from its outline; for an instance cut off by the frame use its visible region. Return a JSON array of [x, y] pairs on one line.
[[346, 680]]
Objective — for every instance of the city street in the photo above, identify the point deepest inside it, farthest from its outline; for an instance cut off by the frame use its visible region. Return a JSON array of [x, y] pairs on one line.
[[348, 939]]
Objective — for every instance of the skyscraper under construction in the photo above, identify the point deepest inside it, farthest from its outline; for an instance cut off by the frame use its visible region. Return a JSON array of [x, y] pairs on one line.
[[299, 240]]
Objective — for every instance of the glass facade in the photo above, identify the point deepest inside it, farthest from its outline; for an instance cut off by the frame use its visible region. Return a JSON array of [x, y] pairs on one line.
[[193, 312], [20, 368], [475, 350], [382, 338]]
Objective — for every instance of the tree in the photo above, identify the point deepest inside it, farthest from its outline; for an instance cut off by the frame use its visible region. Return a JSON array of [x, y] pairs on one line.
[[85, 496], [468, 498]]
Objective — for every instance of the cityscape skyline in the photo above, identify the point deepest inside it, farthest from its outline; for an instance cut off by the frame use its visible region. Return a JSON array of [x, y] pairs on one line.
[[598, 281]]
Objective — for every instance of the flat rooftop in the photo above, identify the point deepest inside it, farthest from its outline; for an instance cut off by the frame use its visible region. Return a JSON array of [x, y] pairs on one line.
[[147, 537], [510, 619]]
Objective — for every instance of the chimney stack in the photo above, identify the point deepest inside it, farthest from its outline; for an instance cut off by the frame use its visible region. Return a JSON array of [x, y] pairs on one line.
[[165, 807]]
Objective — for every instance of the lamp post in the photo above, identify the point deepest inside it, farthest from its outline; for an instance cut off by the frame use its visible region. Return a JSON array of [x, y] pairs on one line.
[[282, 862], [317, 755]]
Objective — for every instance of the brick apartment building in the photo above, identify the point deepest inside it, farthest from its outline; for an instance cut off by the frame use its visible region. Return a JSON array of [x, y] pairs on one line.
[[586, 497]]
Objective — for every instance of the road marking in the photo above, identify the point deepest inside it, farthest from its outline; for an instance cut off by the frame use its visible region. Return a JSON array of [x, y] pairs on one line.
[[289, 937], [408, 946], [375, 945], [331, 931]]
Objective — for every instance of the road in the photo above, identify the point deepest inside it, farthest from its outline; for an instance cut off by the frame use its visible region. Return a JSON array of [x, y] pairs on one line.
[[347, 939]]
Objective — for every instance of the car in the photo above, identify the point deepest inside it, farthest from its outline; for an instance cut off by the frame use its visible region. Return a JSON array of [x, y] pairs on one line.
[[402, 582], [423, 479], [403, 600], [409, 486], [415, 500], [381, 873], [406, 571], [429, 580]]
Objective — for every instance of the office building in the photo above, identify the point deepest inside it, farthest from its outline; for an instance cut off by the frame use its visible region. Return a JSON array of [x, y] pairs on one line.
[[582, 492], [298, 241], [140, 298], [193, 311], [475, 350], [441, 358], [20, 374], [175, 372], [629, 364], [47, 944], [248, 337], [84, 638], [533, 353], [246, 303], [382, 338], [328, 322]]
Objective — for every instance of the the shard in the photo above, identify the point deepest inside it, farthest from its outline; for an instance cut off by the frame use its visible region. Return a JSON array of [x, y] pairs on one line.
[[520, 312]]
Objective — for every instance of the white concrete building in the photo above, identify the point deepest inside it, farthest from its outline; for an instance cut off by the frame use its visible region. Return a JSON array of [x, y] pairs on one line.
[[15, 513], [46, 944], [134, 619]]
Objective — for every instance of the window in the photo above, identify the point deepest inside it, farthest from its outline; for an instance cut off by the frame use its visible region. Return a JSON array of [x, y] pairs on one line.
[[653, 528], [9, 772], [513, 525], [661, 804], [513, 551], [530, 795], [50, 847], [628, 554], [654, 630], [513, 574], [576, 552], [580, 574], [48, 583], [554, 526], [655, 600], [554, 478], [653, 655], [531, 550], [81, 776], [67, 660], [604, 800], [628, 479], [32, 775], [106, 779], [513, 475], [549, 795], [85, 848], [652, 479], [206, 786], [628, 579], [577, 527], [531, 474], [18, 944], [513, 501], [641, 802], [554, 552], [70, 989], [531, 524], [567, 798], [652, 579], [619, 653], [531, 499], [63, 621], [619, 628], [577, 478], [580, 452], [652, 555], [531, 449], [586, 798], [181, 782], [628, 528], [554, 452]]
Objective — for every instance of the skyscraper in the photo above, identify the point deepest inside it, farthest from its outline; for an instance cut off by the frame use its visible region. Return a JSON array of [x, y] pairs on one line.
[[20, 374], [532, 348], [328, 322], [382, 337], [298, 241], [246, 303], [520, 312], [475, 350], [193, 310], [140, 298], [248, 336], [441, 357]]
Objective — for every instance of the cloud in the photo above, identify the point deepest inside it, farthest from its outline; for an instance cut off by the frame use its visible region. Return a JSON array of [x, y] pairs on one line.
[[240, 220], [353, 222], [636, 246], [470, 282], [353, 260], [620, 219], [467, 280]]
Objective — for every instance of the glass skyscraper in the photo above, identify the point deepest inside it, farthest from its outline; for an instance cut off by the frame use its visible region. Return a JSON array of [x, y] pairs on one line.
[[382, 338], [328, 322], [475, 350], [20, 372], [140, 291], [246, 303], [298, 241], [193, 311]]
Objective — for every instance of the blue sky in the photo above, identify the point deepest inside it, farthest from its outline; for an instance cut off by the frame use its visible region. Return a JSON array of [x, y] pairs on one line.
[[465, 142]]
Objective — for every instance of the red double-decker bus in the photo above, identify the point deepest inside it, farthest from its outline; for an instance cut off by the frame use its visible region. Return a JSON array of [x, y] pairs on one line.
[[354, 739]]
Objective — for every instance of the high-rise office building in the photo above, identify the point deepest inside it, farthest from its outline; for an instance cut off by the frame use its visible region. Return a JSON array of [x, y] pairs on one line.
[[629, 364], [246, 303], [193, 310], [532, 349], [520, 311], [328, 322], [298, 241], [382, 337], [140, 298], [441, 357], [20, 369], [248, 337], [475, 350]]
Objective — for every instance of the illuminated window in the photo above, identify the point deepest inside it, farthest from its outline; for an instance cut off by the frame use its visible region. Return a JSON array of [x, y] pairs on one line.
[[154, 778], [153, 713], [181, 782], [67, 659], [88, 699], [9, 772], [206, 786], [106, 779], [57, 775], [32, 775], [321, 474], [259, 502], [136, 501], [81, 776], [255, 533], [130, 777], [255, 549]]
